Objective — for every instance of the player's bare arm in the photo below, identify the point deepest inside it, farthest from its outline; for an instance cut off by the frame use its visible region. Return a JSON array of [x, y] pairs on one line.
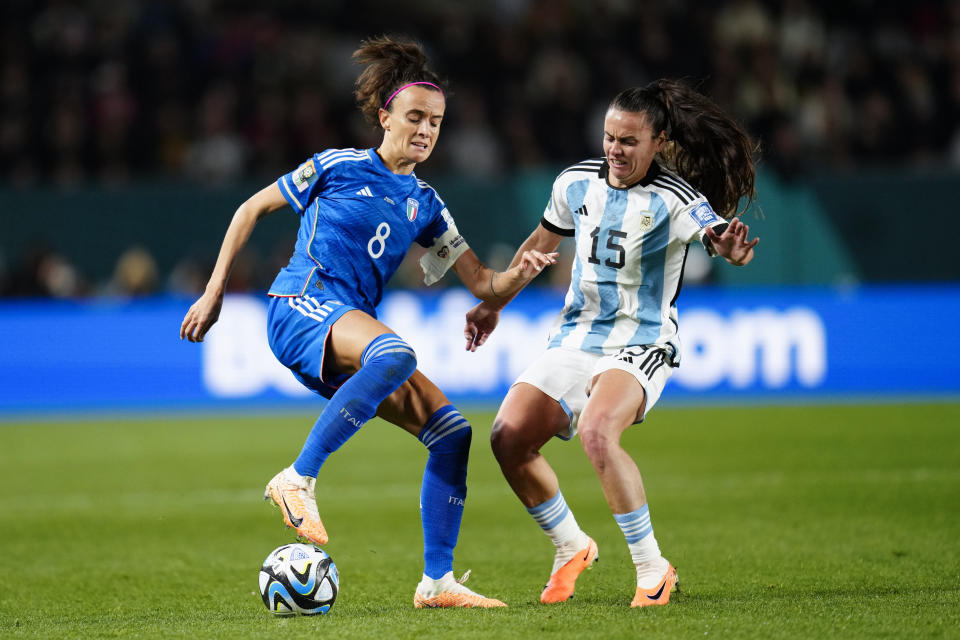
[[733, 244], [206, 310], [489, 285], [483, 318]]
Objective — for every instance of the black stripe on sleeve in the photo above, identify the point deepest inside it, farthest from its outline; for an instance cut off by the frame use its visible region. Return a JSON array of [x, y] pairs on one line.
[[587, 166], [552, 228], [680, 184], [674, 190]]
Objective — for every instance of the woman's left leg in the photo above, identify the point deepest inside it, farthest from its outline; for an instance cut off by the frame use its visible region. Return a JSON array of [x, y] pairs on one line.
[[419, 407], [617, 401]]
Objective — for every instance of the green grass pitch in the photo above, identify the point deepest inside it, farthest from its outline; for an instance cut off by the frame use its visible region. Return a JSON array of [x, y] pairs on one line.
[[801, 522]]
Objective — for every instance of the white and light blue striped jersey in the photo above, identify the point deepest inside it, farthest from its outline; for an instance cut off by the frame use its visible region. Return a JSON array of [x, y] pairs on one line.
[[631, 245], [357, 221]]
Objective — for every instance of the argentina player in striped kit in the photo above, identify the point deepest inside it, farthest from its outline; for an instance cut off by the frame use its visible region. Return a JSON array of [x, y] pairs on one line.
[[616, 340], [360, 210]]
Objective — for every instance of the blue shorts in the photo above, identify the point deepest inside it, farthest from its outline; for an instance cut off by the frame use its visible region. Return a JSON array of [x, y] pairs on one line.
[[297, 330]]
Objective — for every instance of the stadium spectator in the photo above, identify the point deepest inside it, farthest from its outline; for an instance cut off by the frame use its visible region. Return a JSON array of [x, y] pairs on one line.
[[232, 71], [216, 92], [44, 272], [360, 210], [669, 153], [135, 274]]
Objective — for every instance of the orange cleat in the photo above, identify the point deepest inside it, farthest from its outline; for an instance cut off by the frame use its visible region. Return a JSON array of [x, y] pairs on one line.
[[560, 587], [294, 494], [660, 594], [447, 593]]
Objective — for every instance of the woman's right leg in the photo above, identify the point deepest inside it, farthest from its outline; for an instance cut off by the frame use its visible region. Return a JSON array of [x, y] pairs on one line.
[[527, 419], [377, 361], [317, 348]]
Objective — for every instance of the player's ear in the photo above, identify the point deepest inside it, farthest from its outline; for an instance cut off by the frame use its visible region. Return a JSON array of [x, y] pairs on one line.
[[661, 140], [384, 116]]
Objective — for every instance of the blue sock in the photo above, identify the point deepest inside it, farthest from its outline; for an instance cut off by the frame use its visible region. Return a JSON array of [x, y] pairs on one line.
[[385, 364], [447, 436]]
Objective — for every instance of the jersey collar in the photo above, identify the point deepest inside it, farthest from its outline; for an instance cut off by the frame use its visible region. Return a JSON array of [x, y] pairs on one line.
[[382, 168]]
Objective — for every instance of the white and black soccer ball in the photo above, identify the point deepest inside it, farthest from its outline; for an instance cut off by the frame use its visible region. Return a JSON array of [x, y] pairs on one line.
[[299, 579]]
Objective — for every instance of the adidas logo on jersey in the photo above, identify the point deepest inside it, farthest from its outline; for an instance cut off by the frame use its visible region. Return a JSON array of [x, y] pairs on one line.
[[582, 211], [365, 192]]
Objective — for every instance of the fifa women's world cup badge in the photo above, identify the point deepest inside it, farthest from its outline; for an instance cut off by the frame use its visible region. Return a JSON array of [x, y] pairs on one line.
[[305, 176]]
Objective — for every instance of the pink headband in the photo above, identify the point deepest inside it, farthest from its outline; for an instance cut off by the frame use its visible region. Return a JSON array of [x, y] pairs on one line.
[[385, 104]]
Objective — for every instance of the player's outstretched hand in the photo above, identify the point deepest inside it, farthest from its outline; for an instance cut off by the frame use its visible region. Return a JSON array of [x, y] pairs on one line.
[[732, 244], [481, 321], [200, 317], [532, 262], [483, 318]]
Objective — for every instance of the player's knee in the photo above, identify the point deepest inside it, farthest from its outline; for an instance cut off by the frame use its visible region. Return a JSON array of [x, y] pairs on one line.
[[405, 364], [509, 441], [393, 356], [597, 439], [500, 437]]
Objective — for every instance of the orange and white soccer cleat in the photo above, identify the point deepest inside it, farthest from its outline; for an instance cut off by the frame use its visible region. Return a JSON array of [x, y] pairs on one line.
[[447, 592], [294, 494], [560, 586], [659, 594]]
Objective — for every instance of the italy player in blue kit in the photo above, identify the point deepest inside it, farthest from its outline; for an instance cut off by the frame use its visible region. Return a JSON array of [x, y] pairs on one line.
[[360, 210]]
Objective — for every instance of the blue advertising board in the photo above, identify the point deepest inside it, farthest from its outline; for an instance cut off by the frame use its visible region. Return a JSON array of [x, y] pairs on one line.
[[739, 345]]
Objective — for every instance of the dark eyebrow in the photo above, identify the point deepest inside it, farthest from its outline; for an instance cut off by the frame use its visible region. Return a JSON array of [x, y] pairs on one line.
[[421, 113], [623, 139]]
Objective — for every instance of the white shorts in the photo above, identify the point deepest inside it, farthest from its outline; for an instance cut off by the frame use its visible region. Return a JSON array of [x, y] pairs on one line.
[[563, 374]]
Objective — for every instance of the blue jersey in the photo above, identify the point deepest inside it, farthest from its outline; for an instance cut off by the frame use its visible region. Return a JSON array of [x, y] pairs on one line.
[[357, 221]]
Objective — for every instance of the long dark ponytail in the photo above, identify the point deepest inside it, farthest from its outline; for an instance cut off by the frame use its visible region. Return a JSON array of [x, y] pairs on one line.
[[390, 64], [706, 147]]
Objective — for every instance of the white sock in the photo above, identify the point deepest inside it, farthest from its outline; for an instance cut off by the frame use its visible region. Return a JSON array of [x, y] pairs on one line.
[[651, 566], [637, 529], [429, 587], [573, 542]]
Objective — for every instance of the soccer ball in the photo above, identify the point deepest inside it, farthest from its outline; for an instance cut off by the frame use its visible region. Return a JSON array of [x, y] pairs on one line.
[[299, 579]]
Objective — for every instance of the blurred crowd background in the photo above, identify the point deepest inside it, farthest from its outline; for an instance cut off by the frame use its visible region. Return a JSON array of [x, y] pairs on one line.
[[108, 94]]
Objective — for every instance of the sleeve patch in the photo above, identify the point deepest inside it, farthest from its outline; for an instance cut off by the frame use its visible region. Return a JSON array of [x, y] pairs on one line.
[[704, 215], [304, 176]]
